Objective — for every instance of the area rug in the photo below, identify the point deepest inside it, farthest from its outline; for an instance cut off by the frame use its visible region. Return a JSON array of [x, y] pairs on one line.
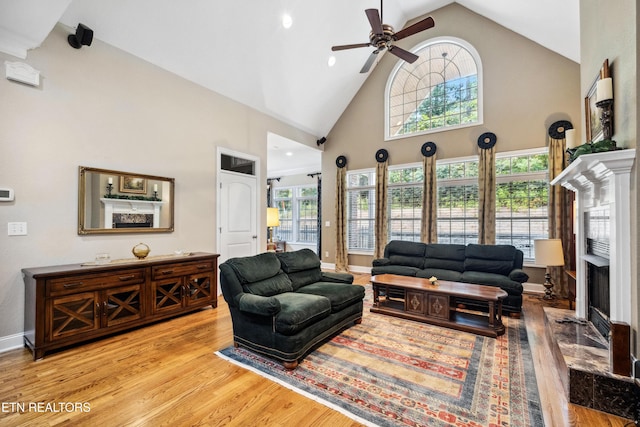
[[388, 371]]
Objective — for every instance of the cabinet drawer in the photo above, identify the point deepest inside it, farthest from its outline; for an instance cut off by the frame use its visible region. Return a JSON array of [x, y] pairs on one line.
[[171, 270], [87, 282]]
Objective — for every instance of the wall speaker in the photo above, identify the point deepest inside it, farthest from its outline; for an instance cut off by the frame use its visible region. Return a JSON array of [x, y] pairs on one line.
[[83, 36], [321, 141]]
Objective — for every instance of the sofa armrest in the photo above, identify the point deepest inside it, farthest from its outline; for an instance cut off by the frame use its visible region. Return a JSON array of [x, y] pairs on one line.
[[257, 304], [328, 276], [380, 262], [518, 275]]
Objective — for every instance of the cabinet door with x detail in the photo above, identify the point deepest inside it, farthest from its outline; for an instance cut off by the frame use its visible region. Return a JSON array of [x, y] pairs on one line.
[[201, 290], [122, 305], [73, 314], [167, 294]]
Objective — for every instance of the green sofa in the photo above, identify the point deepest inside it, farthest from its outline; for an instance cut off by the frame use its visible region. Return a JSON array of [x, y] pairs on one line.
[[282, 304], [493, 265]]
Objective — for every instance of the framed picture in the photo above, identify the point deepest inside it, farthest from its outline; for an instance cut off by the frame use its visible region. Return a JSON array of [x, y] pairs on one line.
[[133, 184], [592, 115]]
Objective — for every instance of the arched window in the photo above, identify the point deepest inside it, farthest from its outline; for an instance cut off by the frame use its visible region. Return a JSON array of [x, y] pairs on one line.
[[439, 91]]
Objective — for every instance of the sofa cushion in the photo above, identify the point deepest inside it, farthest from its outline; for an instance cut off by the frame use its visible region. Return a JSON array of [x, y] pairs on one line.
[[297, 311], [302, 266], [492, 279], [445, 256], [410, 261], [273, 285], [305, 277], [395, 269], [496, 259], [255, 268], [400, 247], [304, 259], [441, 274], [340, 294]]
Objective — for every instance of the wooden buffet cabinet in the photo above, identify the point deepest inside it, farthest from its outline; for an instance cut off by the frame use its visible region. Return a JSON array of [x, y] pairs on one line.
[[68, 304]]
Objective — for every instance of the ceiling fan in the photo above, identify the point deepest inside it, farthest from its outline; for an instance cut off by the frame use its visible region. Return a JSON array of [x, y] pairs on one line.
[[382, 37]]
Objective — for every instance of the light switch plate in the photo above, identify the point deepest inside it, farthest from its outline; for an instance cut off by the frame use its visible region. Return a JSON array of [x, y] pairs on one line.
[[17, 229]]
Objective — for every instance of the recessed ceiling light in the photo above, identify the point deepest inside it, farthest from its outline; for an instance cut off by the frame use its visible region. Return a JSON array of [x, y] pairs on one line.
[[331, 61], [289, 153], [287, 20]]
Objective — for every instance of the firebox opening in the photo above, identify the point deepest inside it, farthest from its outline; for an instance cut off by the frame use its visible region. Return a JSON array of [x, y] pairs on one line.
[[126, 220]]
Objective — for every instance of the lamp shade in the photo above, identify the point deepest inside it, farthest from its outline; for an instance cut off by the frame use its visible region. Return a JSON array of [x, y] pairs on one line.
[[549, 252], [273, 217]]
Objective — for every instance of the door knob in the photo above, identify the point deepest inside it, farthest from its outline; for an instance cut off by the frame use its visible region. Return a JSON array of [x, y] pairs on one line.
[[254, 237]]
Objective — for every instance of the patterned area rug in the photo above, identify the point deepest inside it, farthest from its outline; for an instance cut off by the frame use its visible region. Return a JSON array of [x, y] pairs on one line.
[[395, 372]]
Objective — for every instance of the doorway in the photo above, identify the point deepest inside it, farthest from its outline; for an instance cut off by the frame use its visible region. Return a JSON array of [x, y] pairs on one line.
[[237, 204]]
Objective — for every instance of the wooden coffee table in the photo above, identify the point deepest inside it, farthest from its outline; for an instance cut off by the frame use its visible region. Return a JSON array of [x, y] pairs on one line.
[[415, 298]]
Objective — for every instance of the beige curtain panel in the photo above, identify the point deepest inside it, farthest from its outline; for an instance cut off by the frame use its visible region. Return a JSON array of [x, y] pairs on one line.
[[559, 213], [487, 197], [381, 223], [429, 225], [342, 258]]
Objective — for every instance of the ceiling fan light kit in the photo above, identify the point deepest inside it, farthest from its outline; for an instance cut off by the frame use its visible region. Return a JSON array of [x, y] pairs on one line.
[[382, 37]]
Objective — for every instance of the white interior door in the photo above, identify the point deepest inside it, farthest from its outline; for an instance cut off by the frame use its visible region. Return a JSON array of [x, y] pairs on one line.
[[238, 229]]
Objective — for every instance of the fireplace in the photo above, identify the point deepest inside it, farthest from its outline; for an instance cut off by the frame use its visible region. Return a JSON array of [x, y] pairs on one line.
[[602, 184], [127, 213]]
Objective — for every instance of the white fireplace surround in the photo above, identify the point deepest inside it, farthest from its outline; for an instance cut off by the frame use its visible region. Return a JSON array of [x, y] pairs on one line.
[[603, 180], [126, 206]]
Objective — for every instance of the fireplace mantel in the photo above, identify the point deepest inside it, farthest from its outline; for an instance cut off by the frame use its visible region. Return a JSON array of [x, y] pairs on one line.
[[129, 206], [599, 180]]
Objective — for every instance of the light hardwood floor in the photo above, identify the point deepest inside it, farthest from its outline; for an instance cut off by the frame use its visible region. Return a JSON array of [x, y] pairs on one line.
[[167, 374]]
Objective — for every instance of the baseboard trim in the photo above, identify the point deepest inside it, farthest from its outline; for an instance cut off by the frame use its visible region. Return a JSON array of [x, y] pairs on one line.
[[11, 342]]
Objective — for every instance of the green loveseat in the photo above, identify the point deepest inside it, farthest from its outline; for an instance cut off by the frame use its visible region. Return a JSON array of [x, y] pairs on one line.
[[493, 265], [282, 304]]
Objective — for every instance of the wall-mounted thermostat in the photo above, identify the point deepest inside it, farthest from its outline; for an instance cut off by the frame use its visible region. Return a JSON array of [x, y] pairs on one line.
[[6, 194]]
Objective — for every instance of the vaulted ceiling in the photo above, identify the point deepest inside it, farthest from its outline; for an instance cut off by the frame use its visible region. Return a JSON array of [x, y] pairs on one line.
[[240, 48]]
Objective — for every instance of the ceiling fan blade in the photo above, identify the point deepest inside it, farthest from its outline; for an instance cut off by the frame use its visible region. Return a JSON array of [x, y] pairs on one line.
[[349, 46], [374, 20], [367, 65], [425, 24], [403, 54]]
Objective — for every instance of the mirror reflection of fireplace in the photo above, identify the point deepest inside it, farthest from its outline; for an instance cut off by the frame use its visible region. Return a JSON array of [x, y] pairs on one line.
[[597, 259]]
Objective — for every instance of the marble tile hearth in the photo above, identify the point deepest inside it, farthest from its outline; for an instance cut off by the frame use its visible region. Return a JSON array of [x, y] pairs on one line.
[[582, 359]]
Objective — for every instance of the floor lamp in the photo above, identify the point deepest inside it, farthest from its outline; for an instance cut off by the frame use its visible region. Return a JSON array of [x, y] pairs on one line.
[[273, 220], [548, 253]]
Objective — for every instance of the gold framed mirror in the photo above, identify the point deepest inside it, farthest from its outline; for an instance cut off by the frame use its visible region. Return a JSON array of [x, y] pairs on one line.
[[112, 201]]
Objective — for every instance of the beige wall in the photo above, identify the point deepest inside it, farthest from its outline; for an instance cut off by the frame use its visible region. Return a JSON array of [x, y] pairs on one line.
[[526, 88], [104, 108], [609, 31]]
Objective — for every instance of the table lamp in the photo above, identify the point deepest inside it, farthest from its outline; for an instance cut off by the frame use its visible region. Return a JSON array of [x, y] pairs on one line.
[[548, 253], [273, 220]]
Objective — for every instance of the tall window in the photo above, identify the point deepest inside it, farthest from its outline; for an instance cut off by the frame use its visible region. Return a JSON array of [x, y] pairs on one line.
[[442, 89], [457, 201], [405, 203], [522, 200], [361, 210], [298, 209], [522, 197]]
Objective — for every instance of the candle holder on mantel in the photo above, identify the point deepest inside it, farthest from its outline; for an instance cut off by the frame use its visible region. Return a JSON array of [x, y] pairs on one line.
[[604, 101], [606, 117], [155, 195], [109, 189]]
